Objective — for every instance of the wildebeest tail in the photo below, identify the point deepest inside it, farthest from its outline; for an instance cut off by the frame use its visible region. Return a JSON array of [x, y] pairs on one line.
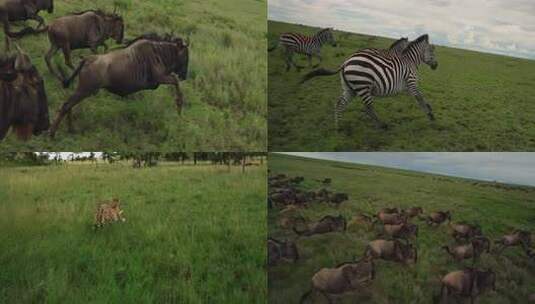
[[319, 72], [68, 81], [305, 296]]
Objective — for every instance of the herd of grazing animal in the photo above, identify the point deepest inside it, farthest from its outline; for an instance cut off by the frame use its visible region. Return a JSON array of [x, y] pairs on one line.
[[143, 63], [368, 73], [395, 242]]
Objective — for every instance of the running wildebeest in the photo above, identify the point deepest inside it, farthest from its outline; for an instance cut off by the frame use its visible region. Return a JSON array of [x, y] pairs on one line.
[[465, 231], [472, 250], [326, 224], [21, 10], [517, 238], [87, 29], [393, 250], [23, 101], [469, 282], [281, 250], [439, 217], [343, 279], [147, 62]]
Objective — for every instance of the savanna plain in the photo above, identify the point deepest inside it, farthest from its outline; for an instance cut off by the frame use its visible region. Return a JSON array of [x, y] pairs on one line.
[[225, 92], [193, 234], [481, 102], [496, 208]]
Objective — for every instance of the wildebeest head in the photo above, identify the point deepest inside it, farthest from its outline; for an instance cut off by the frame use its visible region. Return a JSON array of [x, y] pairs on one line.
[[115, 26], [181, 66]]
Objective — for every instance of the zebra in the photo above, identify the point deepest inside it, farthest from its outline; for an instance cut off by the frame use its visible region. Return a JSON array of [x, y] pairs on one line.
[[301, 44], [371, 74]]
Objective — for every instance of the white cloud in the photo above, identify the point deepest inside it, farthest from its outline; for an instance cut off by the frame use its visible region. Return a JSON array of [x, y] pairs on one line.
[[495, 26]]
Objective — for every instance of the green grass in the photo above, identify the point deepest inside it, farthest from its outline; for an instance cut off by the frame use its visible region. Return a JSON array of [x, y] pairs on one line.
[[192, 235], [371, 188], [482, 102], [225, 92]]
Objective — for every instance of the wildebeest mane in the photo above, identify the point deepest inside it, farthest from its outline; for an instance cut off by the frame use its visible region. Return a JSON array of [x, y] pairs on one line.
[[153, 36]]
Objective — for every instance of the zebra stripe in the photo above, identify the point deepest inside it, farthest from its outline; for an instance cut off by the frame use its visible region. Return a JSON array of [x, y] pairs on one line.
[[307, 45], [372, 73]]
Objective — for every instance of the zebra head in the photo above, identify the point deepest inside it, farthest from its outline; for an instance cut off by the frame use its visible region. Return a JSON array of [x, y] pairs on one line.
[[429, 53], [326, 36]]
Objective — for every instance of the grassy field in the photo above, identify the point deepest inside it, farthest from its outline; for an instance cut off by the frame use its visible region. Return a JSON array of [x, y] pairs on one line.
[[225, 92], [192, 235], [371, 188], [482, 102]]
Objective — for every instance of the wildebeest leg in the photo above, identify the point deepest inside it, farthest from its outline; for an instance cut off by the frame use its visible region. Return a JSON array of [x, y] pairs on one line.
[[75, 99], [3, 131], [39, 19], [48, 58], [173, 80], [67, 55], [413, 90]]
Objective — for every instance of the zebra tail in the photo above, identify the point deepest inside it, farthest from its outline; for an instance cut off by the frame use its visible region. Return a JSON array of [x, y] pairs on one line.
[[319, 72]]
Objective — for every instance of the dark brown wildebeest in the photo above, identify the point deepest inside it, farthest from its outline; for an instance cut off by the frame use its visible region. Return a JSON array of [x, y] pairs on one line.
[[23, 101], [517, 238], [343, 279], [21, 10], [413, 211], [87, 29], [472, 250], [147, 62], [326, 224], [393, 250], [403, 231], [465, 231], [439, 217], [391, 218], [469, 282], [281, 250]]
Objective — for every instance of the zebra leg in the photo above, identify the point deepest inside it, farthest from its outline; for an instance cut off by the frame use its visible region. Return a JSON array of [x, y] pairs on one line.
[[343, 100], [426, 107], [370, 111], [309, 57], [288, 59]]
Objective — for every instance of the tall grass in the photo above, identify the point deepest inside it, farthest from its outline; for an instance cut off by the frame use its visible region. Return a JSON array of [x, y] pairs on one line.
[[497, 210], [482, 102], [225, 93], [193, 235]]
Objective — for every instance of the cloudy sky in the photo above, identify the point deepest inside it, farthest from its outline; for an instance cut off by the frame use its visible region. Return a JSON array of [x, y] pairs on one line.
[[494, 26], [515, 168]]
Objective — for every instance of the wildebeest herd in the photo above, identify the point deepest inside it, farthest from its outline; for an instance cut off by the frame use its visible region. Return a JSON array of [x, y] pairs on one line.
[[142, 63], [396, 241]]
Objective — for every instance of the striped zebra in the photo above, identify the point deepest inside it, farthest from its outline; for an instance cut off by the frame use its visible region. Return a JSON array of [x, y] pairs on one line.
[[301, 44], [371, 74]]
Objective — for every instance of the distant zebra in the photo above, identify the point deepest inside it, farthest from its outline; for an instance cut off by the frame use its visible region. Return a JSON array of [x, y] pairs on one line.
[[301, 44], [371, 73]]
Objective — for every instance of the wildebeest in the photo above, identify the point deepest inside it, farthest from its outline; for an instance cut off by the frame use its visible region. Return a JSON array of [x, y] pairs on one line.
[[281, 250], [326, 224], [517, 238], [469, 282], [439, 217], [391, 218], [472, 250], [87, 29], [413, 211], [147, 62], [393, 250], [23, 101], [21, 10], [404, 230], [465, 231], [342, 279]]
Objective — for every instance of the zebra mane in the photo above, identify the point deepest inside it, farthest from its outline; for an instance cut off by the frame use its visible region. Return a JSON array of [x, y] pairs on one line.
[[416, 42], [323, 31], [395, 44]]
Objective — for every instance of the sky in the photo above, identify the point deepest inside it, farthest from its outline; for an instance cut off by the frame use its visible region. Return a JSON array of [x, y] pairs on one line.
[[504, 27], [506, 167]]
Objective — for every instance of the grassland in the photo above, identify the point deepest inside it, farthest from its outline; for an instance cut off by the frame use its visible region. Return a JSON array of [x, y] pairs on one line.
[[482, 102], [192, 235], [225, 92], [497, 210]]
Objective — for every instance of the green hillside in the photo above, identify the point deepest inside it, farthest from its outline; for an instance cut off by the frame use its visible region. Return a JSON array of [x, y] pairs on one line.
[[482, 102], [225, 92], [497, 208], [191, 235]]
